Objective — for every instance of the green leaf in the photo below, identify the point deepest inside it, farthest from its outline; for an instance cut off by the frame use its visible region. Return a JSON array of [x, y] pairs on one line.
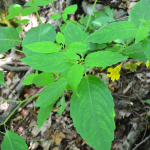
[[44, 79], [58, 61], [141, 34], [146, 48], [55, 16], [73, 34], [77, 47], [101, 21], [114, 48], [22, 21], [44, 32], [93, 111], [14, 10], [43, 114], [25, 21], [86, 19], [51, 93], [38, 3], [140, 10], [95, 46], [13, 141], [62, 107], [148, 100], [113, 31], [131, 66], [18, 29], [70, 9], [64, 16], [29, 79], [103, 59], [109, 12], [60, 38], [135, 51], [75, 75], [28, 10], [2, 78], [44, 47], [9, 38]]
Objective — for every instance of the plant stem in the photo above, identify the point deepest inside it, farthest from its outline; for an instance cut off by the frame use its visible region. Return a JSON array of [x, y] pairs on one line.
[[37, 12], [17, 50], [18, 107], [55, 13], [10, 101], [90, 16], [129, 42], [2, 132]]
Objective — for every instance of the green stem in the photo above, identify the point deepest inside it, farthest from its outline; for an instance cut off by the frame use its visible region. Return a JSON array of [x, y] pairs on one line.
[[90, 16], [10, 101], [18, 107], [2, 132], [17, 50], [55, 13], [129, 42], [36, 12]]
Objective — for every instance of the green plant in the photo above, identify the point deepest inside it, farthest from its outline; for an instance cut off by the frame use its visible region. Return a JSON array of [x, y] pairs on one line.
[[70, 58]]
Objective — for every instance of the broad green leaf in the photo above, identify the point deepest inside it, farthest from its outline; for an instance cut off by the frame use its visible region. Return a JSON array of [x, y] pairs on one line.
[[28, 10], [99, 14], [55, 16], [114, 49], [9, 37], [14, 10], [86, 19], [140, 10], [113, 31], [44, 47], [43, 32], [43, 114], [95, 46], [60, 38], [25, 21], [146, 48], [64, 16], [73, 34], [101, 21], [77, 47], [135, 51], [75, 75], [58, 61], [93, 111], [70, 9], [38, 3], [44, 79], [13, 141], [51, 93], [29, 79], [103, 59], [141, 34], [1, 78], [62, 107], [109, 12], [18, 29]]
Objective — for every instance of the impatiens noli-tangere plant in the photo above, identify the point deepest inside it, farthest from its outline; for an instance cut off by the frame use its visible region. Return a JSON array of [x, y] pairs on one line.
[[70, 58]]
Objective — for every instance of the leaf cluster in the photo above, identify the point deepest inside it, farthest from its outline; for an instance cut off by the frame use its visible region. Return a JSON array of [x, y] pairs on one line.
[[64, 64]]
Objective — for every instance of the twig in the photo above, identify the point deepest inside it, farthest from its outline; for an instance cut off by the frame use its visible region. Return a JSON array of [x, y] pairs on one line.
[[15, 69], [141, 143], [26, 103], [12, 106]]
